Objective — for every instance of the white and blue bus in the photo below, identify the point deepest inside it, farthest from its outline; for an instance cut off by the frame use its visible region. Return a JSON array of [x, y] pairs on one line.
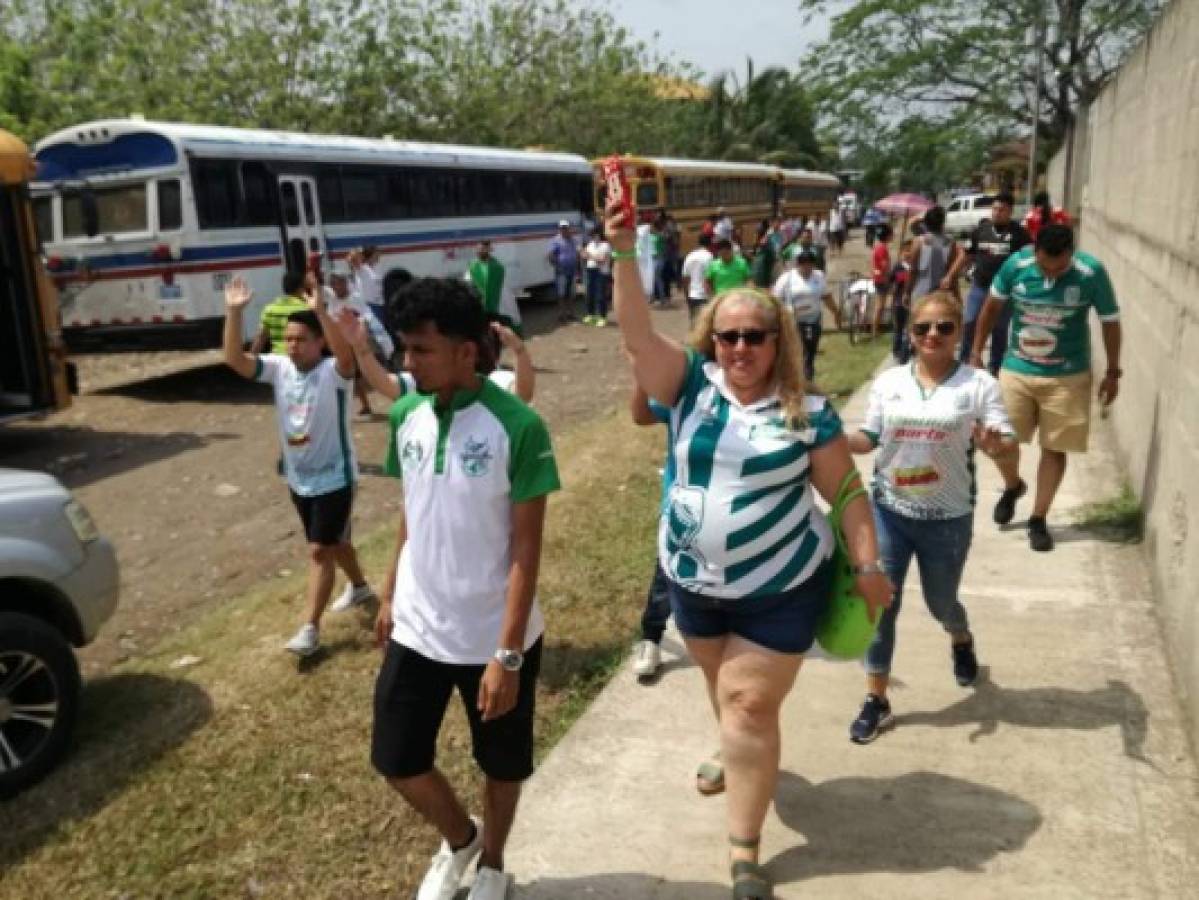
[[143, 223]]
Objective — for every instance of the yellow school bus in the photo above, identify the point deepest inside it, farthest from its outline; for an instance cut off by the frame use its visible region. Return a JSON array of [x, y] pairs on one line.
[[804, 194], [691, 190], [33, 361]]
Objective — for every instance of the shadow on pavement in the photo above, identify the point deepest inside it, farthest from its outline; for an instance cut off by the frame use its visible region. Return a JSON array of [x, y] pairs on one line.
[[205, 384], [918, 822], [1047, 707], [126, 722], [620, 886]]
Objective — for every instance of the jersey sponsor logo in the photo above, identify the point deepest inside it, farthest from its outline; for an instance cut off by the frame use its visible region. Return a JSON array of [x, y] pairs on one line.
[[1037, 343], [920, 434], [1046, 318], [918, 479], [476, 458]]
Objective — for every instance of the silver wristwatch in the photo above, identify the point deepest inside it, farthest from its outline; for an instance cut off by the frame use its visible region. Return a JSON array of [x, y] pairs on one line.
[[870, 568], [510, 660]]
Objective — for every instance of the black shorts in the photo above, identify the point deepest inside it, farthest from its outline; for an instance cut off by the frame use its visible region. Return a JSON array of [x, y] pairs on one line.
[[326, 517], [411, 697]]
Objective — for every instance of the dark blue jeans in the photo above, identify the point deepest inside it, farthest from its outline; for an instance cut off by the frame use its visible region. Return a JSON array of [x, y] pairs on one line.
[[940, 547], [809, 336], [901, 346], [975, 300], [597, 293], [657, 607]]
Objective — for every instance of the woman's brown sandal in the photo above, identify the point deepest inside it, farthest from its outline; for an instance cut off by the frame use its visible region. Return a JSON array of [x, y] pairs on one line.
[[750, 881]]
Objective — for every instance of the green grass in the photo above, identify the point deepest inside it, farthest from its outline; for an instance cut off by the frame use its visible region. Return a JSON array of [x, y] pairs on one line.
[[248, 775], [1119, 517], [841, 367]]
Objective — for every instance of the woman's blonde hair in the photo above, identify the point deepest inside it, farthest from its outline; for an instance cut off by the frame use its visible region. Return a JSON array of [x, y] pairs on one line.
[[945, 299], [788, 360]]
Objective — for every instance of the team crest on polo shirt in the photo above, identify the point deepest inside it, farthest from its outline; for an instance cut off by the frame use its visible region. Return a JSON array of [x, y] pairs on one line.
[[412, 454], [1073, 295], [476, 458]]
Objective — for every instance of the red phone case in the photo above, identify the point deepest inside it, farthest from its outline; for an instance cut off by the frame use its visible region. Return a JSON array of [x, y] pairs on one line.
[[618, 189]]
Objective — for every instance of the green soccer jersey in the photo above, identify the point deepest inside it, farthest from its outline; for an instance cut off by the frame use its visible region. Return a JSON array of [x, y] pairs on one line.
[[1049, 332], [726, 276], [274, 319], [488, 279]]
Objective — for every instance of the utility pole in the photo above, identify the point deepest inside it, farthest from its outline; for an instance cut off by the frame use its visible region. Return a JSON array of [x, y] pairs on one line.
[[1038, 49]]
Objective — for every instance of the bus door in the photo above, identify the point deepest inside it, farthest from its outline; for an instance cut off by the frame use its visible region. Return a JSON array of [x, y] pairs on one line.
[[303, 230]]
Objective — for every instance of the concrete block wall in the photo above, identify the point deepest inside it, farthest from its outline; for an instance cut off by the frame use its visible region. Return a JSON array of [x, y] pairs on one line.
[[1140, 215]]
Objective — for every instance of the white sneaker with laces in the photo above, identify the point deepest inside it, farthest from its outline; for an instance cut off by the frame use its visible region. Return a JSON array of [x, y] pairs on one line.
[[352, 596], [490, 885], [646, 659], [446, 871], [305, 642]]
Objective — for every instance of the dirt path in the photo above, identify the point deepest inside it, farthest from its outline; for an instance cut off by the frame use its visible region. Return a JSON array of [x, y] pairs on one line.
[[175, 457]]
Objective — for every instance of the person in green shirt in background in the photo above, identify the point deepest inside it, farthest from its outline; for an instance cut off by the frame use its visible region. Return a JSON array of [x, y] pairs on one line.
[[765, 253], [275, 314], [486, 273], [727, 271], [804, 244]]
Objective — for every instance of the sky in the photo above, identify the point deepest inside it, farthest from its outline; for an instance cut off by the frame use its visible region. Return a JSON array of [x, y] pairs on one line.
[[718, 34]]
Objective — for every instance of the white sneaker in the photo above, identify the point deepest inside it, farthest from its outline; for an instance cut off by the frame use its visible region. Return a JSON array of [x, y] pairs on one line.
[[490, 885], [352, 596], [305, 642], [448, 867], [646, 659]]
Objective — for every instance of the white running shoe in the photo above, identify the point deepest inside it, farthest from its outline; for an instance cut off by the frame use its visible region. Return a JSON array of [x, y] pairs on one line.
[[352, 596], [446, 871], [646, 659], [490, 885], [305, 642]]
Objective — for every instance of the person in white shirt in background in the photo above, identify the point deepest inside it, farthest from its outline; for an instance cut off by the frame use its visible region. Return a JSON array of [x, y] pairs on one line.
[[597, 269], [368, 281], [803, 290], [339, 295], [695, 267]]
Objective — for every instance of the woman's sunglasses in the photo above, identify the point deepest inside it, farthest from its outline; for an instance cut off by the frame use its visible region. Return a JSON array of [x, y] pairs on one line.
[[753, 337], [945, 327]]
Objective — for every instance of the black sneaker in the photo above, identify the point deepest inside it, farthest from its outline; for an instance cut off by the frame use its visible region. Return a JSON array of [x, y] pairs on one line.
[[1039, 537], [1006, 507], [874, 717], [965, 663]]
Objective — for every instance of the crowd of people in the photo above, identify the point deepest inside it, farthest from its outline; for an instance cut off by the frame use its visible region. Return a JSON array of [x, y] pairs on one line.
[[743, 559]]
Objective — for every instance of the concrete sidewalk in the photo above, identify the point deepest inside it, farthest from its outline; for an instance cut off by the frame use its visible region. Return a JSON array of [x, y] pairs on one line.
[[1064, 773]]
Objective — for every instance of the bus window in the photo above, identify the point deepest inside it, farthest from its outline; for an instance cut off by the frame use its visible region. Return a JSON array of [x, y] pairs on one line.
[[309, 206], [216, 193], [170, 205], [258, 194], [121, 210], [291, 206], [362, 196], [43, 214], [647, 195], [328, 189]]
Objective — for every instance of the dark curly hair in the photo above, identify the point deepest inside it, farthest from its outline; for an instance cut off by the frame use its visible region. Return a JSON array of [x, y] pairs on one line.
[[448, 304]]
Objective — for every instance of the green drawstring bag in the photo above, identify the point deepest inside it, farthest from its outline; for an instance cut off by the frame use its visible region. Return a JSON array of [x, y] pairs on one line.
[[845, 630]]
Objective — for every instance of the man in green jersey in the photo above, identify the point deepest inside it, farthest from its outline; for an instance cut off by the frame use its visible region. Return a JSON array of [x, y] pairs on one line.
[[487, 275], [1046, 374], [727, 271], [275, 315], [804, 245]]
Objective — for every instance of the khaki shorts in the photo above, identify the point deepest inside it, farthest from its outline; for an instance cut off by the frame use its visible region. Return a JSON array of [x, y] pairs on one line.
[[1058, 407]]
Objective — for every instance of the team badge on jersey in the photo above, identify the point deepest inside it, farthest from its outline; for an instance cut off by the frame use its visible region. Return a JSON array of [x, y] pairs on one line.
[[1072, 295], [476, 458], [412, 454]]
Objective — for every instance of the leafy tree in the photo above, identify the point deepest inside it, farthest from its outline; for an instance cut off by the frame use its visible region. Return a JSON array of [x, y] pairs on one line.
[[969, 60]]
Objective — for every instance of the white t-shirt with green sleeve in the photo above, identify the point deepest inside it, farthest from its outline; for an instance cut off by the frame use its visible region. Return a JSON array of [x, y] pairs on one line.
[[462, 469], [925, 439]]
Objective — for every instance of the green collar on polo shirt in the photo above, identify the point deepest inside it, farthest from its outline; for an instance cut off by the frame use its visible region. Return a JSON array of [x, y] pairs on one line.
[[462, 398]]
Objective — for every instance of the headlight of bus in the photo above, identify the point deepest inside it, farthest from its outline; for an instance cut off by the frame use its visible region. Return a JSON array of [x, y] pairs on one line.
[[81, 522]]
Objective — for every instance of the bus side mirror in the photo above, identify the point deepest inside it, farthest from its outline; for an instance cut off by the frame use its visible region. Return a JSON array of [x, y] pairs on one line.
[[91, 213]]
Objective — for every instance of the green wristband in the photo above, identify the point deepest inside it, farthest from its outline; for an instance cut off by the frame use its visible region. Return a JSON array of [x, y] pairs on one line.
[[618, 255]]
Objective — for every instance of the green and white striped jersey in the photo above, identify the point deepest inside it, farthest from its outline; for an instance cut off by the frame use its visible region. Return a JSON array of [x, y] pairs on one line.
[[740, 521]]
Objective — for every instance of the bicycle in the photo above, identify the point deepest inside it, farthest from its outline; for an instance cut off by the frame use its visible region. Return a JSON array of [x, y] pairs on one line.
[[858, 298]]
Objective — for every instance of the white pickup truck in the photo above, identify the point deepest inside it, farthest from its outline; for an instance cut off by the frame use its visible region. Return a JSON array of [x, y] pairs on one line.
[[967, 210]]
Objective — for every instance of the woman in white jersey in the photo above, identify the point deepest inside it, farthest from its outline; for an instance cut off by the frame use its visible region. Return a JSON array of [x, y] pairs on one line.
[[741, 541], [926, 419]]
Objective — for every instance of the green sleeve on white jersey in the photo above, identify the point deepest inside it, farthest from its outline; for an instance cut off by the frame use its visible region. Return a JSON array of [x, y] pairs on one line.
[[532, 469], [826, 424]]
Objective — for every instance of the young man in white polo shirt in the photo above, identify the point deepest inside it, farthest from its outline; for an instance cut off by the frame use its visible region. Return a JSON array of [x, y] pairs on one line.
[[476, 466]]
